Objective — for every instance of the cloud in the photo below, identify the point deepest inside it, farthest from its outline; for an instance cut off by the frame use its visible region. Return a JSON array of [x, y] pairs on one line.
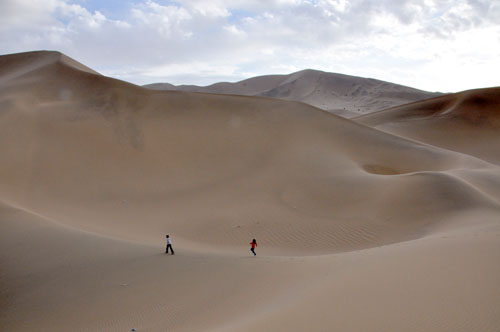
[[424, 43], [23, 13]]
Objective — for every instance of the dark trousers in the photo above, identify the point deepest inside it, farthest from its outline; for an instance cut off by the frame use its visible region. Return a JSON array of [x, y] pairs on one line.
[[253, 250], [171, 249]]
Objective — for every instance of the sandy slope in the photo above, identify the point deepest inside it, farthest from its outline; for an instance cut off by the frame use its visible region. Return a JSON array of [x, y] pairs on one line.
[[467, 122], [357, 229], [343, 95], [65, 280], [60, 279]]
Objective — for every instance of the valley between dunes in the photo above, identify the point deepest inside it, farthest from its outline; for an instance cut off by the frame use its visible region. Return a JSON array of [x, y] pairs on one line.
[[379, 223]]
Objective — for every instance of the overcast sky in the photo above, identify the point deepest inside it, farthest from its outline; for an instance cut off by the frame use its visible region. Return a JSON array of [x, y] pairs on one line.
[[435, 45]]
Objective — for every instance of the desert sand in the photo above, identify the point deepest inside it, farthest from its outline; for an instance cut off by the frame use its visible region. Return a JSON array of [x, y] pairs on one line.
[[344, 95], [467, 122], [358, 229]]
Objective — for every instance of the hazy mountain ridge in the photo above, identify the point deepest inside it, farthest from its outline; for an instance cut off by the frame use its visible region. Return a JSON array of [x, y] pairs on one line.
[[341, 94]]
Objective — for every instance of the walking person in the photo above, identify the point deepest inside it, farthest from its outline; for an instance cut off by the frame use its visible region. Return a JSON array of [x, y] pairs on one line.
[[169, 245], [253, 244]]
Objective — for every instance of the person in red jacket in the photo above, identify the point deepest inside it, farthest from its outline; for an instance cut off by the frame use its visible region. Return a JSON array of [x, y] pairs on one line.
[[253, 244]]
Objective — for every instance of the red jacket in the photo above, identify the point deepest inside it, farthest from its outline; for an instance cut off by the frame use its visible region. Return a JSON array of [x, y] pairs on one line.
[[253, 244]]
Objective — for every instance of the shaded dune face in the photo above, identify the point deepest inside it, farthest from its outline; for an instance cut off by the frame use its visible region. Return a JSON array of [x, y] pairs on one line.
[[466, 122], [16, 65], [112, 158]]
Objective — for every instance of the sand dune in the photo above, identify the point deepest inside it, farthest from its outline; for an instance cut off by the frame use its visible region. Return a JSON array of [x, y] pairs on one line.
[[466, 122], [62, 279], [248, 165], [343, 95], [358, 230], [16, 65]]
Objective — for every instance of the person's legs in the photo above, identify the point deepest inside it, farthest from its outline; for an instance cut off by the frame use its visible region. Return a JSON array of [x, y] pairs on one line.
[[171, 249], [253, 250]]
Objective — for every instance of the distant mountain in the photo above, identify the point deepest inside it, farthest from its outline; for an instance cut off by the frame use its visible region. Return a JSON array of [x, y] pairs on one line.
[[344, 95]]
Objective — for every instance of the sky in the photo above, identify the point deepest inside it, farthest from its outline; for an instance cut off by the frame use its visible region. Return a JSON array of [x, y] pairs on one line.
[[433, 45]]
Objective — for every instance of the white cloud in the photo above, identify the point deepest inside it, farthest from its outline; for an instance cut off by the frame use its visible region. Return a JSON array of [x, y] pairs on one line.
[[165, 20], [193, 68], [430, 44], [214, 8], [232, 29], [21, 13]]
